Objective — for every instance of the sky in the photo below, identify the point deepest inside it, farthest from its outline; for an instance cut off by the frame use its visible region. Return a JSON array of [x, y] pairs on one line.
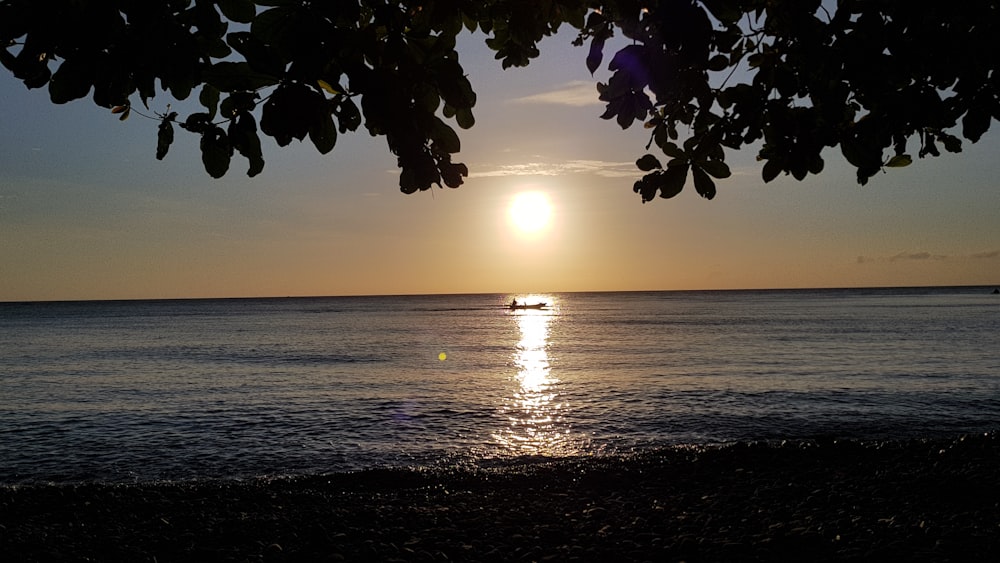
[[87, 212]]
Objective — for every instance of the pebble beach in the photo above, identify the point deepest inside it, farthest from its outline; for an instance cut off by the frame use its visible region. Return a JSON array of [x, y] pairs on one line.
[[825, 500]]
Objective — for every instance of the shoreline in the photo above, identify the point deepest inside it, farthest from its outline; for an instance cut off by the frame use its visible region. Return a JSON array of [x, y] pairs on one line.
[[833, 500]]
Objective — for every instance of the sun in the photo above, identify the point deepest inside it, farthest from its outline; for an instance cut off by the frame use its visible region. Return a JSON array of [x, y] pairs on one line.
[[530, 212]]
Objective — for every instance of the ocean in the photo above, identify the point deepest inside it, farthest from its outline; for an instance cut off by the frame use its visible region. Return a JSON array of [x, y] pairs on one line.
[[137, 391]]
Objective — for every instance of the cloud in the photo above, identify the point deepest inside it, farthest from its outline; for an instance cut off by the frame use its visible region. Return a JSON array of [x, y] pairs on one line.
[[596, 167], [916, 256], [577, 93], [902, 257], [924, 256]]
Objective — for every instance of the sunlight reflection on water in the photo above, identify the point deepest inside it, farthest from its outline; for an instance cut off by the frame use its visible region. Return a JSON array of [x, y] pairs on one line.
[[534, 411]]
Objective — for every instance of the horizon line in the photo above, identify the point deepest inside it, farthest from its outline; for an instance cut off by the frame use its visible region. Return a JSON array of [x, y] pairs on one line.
[[496, 293]]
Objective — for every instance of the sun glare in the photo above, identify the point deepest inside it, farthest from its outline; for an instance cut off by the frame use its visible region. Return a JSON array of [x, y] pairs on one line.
[[530, 212]]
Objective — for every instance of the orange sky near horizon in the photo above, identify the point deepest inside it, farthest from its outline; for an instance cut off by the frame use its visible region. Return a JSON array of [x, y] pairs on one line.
[[86, 212]]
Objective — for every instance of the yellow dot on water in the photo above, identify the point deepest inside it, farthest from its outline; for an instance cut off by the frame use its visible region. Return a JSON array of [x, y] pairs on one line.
[[442, 356]]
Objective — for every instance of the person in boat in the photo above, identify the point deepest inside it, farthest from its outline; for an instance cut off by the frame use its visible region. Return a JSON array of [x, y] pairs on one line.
[[513, 304]]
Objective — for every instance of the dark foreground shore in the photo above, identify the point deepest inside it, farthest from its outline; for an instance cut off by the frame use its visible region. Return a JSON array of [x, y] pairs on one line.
[[831, 501]]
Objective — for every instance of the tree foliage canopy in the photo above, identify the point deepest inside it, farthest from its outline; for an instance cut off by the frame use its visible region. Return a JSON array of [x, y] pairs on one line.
[[878, 78]]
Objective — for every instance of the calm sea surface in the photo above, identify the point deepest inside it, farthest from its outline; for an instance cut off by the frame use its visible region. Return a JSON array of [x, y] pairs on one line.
[[140, 390]]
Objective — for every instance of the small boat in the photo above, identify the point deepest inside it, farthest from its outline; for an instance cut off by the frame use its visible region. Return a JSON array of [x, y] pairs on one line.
[[515, 305]]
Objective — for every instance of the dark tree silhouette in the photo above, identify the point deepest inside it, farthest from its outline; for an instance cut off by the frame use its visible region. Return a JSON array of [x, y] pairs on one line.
[[790, 76]]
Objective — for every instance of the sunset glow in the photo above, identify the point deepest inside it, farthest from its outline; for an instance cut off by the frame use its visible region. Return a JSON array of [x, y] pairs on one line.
[[88, 212]]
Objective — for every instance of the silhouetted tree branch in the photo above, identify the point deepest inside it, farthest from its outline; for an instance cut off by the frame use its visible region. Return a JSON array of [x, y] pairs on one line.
[[790, 76]]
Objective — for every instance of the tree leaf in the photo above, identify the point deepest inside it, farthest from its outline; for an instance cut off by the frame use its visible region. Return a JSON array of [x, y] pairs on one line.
[[241, 11], [452, 174], [899, 161], [197, 123], [718, 63], [951, 143], [647, 186], [975, 123], [596, 54], [204, 16], [243, 136], [216, 152], [673, 151], [348, 115], [673, 179], [180, 88], [630, 107], [815, 165], [715, 168], [260, 56], [929, 147], [235, 77], [237, 103], [799, 170], [464, 118], [703, 184], [648, 162], [323, 133], [771, 170], [210, 99], [862, 153], [444, 138], [453, 85], [726, 11], [419, 172], [113, 84], [218, 49], [71, 81], [165, 136], [290, 112], [328, 87]]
